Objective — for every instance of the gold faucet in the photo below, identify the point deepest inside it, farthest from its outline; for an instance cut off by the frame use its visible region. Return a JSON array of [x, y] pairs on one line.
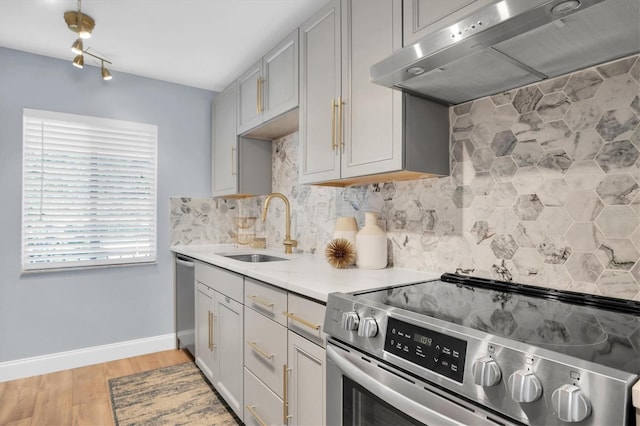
[[288, 242]]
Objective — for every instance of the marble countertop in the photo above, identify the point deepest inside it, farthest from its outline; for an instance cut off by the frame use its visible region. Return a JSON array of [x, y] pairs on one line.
[[306, 274]]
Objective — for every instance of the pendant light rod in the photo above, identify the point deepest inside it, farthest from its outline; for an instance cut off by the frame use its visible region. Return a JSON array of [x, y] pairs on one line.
[[100, 58]]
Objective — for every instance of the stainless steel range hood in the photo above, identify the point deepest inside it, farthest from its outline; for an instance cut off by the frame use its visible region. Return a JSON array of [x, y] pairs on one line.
[[511, 43]]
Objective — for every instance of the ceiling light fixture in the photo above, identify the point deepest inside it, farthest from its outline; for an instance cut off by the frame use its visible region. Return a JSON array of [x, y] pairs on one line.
[[78, 61], [106, 75], [77, 47], [83, 25], [79, 23]]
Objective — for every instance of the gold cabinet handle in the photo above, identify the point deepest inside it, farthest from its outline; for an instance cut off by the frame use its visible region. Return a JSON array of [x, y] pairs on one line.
[[260, 104], [258, 95], [255, 415], [340, 129], [233, 160], [301, 321], [285, 394], [258, 349], [333, 124], [212, 322], [209, 323], [261, 301], [259, 88]]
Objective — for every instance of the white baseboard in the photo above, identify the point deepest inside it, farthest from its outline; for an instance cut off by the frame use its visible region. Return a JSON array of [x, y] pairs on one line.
[[26, 367]]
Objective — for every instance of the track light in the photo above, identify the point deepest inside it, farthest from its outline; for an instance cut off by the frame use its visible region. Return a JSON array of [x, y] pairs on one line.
[[106, 75], [83, 25], [77, 47], [78, 61]]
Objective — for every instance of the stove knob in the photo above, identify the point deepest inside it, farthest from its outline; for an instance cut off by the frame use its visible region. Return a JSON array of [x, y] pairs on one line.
[[350, 321], [570, 404], [525, 386], [486, 372], [368, 327]]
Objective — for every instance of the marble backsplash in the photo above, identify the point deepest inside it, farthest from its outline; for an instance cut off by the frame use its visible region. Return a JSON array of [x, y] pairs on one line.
[[544, 190]]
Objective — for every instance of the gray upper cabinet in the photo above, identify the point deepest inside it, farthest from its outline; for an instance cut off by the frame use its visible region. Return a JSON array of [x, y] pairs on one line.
[[224, 143], [239, 166], [424, 16], [270, 87], [249, 113], [350, 128], [320, 88]]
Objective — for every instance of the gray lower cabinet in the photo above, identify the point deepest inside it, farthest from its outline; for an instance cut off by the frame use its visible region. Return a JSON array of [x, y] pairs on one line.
[[307, 382], [239, 166], [284, 357], [219, 332]]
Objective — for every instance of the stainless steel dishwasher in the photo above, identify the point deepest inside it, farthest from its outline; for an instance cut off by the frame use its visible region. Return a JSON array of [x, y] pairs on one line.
[[185, 302]]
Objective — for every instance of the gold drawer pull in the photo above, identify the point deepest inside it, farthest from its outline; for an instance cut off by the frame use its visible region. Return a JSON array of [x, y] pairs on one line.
[[258, 349], [255, 415], [303, 321], [261, 301]]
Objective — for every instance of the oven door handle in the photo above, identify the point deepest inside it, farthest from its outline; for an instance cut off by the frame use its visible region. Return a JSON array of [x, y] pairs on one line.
[[387, 394]]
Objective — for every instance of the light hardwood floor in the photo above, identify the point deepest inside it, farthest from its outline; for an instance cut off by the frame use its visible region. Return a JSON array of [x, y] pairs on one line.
[[74, 397]]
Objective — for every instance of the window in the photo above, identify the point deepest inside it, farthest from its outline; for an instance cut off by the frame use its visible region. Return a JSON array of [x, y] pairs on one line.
[[88, 191]]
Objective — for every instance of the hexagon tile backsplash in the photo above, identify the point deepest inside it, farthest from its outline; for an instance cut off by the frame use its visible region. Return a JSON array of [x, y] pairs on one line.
[[544, 190]]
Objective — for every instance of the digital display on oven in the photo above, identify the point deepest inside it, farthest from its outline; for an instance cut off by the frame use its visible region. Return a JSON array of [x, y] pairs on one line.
[[430, 349], [423, 339]]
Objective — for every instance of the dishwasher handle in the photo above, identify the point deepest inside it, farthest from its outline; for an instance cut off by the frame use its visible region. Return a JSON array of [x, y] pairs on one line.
[[185, 261]]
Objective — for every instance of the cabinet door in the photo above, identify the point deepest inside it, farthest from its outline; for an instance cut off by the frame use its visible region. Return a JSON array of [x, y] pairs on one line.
[[229, 327], [424, 16], [249, 98], [307, 384], [319, 87], [224, 164], [204, 321], [372, 130], [280, 78]]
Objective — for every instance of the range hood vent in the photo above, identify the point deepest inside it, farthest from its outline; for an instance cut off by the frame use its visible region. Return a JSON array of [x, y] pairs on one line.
[[511, 43]]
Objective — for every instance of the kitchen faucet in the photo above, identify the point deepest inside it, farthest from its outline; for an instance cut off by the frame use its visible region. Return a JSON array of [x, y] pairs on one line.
[[288, 242]]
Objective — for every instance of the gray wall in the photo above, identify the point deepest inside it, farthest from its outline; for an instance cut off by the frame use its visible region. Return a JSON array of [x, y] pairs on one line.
[[53, 312]]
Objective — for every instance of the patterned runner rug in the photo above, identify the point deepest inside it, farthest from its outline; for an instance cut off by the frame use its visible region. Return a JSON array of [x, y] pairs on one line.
[[176, 395]]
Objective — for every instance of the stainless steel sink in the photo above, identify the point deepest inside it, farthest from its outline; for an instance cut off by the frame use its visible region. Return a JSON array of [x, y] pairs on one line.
[[253, 257]]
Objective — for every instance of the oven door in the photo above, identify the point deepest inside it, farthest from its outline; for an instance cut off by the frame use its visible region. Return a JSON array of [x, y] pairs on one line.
[[361, 390]]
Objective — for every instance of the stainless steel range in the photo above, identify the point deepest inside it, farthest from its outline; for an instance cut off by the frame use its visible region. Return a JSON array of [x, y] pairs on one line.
[[465, 350]]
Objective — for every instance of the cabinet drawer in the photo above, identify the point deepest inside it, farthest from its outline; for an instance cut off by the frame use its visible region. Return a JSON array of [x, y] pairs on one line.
[[221, 280], [268, 300], [262, 406], [265, 350], [306, 318]]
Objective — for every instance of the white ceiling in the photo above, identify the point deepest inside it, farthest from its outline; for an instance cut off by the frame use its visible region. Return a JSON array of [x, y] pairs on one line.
[[200, 43]]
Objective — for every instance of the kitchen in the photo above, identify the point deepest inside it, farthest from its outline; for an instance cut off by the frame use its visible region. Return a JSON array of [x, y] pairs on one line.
[[436, 225]]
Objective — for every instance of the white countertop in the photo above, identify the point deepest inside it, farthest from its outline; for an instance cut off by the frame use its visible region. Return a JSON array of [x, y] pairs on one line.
[[306, 274]]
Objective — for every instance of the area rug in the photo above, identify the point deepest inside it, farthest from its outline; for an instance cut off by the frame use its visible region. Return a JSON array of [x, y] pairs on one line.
[[176, 395]]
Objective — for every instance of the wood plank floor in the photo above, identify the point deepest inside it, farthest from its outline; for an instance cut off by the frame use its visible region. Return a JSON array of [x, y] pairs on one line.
[[74, 397]]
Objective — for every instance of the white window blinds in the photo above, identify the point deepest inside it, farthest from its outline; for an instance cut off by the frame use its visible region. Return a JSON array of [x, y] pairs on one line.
[[88, 191]]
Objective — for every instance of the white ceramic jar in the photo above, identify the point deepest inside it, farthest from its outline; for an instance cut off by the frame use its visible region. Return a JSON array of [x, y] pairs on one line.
[[371, 244], [347, 228]]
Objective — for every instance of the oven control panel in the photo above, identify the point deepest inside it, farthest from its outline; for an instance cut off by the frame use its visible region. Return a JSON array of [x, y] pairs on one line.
[[435, 351]]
